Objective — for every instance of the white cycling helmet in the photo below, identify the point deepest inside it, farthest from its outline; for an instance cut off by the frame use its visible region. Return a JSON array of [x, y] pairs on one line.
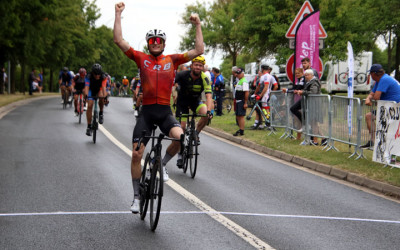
[[156, 33]]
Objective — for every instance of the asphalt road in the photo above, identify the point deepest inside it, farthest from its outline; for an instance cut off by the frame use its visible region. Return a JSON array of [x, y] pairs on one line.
[[58, 190]]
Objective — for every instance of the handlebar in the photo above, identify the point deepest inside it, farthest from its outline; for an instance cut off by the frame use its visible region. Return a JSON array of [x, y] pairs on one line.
[[159, 138]]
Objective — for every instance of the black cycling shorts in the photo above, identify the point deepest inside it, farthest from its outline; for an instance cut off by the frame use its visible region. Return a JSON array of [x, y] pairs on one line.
[[240, 110], [155, 114], [183, 106]]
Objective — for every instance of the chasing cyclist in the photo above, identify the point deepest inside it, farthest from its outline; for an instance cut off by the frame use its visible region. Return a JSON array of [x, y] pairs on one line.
[[157, 73], [190, 84], [78, 84], [95, 87], [65, 82]]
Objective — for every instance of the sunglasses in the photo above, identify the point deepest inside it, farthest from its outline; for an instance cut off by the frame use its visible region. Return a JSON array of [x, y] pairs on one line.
[[157, 40]]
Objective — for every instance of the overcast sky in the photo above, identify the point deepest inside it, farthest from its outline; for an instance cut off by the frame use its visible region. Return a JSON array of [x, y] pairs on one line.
[[140, 16]]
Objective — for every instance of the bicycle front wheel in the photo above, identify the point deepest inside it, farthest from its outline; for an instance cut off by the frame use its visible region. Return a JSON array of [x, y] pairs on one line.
[[193, 156], [65, 101], [145, 188], [156, 193], [80, 109]]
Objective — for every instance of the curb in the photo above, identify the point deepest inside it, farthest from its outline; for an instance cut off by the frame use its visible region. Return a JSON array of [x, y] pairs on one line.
[[378, 186], [10, 107]]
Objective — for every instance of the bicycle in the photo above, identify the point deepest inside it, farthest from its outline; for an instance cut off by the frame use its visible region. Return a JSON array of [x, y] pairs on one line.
[[359, 77], [80, 106], [190, 150], [151, 180], [95, 118], [264, 114], [65, 98]]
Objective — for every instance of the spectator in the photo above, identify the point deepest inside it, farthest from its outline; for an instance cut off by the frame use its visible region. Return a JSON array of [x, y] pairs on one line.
[[295, 108], [312, 86], [3, 75], [32, 77], [207, 72], [36, 86], [219, 89], [386, 88], [241, 96], [306, 62], [40, 81]]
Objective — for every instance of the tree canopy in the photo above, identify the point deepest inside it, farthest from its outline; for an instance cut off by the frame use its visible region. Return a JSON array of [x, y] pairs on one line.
[[253, 30], [51, 34]]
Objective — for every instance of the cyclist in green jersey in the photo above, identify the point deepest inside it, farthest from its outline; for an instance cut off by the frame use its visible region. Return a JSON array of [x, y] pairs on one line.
[[190, 84]]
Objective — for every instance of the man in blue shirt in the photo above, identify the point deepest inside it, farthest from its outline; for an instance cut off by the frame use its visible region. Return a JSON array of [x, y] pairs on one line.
[[219, 89], [386, 88]]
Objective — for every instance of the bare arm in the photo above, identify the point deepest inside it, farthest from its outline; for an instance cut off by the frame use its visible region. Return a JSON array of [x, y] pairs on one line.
[[209, 101], [246, 98], [377, 95], [122, 44], [199, 45]]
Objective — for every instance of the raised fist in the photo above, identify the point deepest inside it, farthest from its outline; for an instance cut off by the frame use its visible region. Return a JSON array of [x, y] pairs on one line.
[[194, 18], [119, 7]]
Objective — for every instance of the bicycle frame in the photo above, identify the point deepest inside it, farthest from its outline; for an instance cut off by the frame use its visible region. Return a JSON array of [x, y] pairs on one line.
[[257, 106], [152, 190]]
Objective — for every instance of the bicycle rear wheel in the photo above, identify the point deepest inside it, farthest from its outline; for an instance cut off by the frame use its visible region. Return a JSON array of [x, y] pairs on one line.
[[156, 193], [193, 156], [144, 188], [343, 77]]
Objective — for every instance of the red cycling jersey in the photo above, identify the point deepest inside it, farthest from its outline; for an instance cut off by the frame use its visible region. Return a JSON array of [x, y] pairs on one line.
[[157, 75]]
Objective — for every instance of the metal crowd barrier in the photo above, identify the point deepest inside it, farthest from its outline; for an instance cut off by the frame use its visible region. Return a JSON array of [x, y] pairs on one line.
[[278, 110], [317, 116], [324, 117]]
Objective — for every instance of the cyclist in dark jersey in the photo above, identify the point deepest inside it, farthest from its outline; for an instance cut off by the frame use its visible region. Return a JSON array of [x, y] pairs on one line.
[[95, 86], [78, 84], [157, 73], [65, 82], [190, 84]]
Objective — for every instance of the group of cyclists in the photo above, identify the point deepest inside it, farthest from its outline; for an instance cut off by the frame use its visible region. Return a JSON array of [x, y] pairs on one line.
[[95, 84]]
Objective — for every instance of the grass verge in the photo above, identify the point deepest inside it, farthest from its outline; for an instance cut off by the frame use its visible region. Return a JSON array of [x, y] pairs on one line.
[[7, 99], [365, 167]]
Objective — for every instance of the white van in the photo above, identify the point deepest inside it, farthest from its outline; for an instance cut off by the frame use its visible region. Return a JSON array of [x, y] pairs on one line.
[[338, 71]]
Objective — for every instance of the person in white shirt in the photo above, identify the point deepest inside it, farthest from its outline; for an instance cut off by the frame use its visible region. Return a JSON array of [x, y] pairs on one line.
[[241, 97]]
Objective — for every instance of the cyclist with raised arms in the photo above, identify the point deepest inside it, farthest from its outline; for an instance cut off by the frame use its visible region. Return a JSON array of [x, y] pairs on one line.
[[95, 87], [157, 73], [65, 82], [78, 84], [190, 84]]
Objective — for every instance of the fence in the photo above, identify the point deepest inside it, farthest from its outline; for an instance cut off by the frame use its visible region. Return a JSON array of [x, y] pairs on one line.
[[336, 119]]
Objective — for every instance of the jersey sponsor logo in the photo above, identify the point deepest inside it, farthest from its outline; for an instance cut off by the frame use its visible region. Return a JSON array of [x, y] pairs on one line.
[[157, 67]]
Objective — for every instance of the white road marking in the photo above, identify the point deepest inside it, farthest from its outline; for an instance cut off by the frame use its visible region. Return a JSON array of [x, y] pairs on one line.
[[211, 212], [238, 230]]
